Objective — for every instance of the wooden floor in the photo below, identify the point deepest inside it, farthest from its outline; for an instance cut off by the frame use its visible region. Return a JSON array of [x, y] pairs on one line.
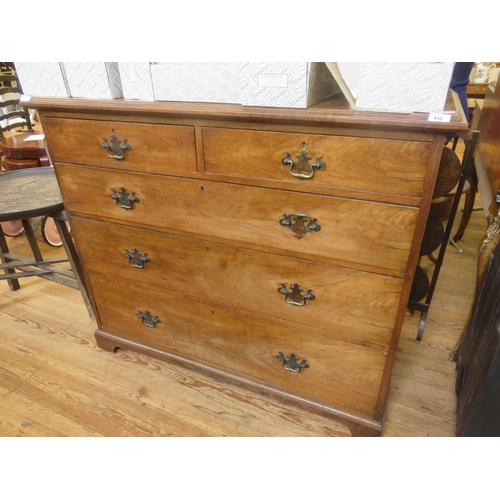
[[54, 381]]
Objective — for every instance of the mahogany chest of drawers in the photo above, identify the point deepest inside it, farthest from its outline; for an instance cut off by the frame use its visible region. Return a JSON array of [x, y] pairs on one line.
[[274, 248]]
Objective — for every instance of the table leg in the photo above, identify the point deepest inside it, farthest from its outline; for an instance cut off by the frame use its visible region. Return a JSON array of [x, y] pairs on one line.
[[4, 249], [30, 235]]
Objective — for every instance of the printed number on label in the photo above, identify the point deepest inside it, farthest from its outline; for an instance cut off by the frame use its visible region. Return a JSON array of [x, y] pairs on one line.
[[439, 117]]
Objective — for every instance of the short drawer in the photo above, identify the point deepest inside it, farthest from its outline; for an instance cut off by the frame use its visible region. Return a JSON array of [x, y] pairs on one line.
[[368, 164], [154, 148], [364, 235], [340, 374], [344, 302]]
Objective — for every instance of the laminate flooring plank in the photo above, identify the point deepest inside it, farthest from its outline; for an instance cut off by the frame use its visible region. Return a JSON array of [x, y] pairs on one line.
[[30, 413], [393, 429], [424, 364], [431, 411], [417, 421], [441, 330], [41, 337], [88, 405], [46, 306], [4, 393], [13, 426], [16, 368], [61, 293], [143, 404]]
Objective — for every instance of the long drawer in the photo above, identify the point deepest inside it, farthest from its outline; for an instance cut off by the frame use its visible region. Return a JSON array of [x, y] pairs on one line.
[[345, 302], [364, 235], [366, 164], [153, 148], [340, 374]]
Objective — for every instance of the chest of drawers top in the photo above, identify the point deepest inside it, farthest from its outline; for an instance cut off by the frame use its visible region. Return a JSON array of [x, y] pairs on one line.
[[330, 112], [375, 156]]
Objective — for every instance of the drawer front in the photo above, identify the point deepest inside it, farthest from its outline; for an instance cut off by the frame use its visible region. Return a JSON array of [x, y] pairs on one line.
[[364, 235], [340, 374], [381, 165], [154, 148], [351, 303]]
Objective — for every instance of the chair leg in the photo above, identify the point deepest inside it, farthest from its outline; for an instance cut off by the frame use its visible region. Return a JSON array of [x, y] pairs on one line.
[[30, 235], [4, 249]]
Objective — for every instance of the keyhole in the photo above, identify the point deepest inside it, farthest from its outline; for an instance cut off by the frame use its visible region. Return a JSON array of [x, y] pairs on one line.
[[202, 189]]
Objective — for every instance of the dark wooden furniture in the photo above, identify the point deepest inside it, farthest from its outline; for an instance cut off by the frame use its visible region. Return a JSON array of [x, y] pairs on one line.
[[32, 193], [487, 158], [487, 168], [23, 151], [273, 248], [477, 353], [478, 366]]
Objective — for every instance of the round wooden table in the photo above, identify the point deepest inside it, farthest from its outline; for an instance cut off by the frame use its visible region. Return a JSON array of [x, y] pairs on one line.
[[29, 193]]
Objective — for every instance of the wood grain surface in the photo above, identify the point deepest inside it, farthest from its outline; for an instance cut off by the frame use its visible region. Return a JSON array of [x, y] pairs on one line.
[[351, 162], [341, 374], [368, 231], [155, 148], [369, 236], [348, 303]]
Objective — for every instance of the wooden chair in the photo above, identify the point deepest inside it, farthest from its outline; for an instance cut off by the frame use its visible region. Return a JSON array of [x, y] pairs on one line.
[[12, 115], [20, 150]]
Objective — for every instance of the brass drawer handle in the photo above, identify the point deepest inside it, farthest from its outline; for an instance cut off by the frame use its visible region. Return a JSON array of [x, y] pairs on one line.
[[295, 296], [113, 147], [292, 364], [300, 223], [301, 168], [148, 319], [135, 259], [124, 199]]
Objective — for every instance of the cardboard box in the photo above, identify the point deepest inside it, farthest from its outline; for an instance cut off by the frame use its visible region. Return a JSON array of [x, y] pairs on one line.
[[285, 84], [136, 81], [195, 82], [42, 79], [396, 87], [93, 80]]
